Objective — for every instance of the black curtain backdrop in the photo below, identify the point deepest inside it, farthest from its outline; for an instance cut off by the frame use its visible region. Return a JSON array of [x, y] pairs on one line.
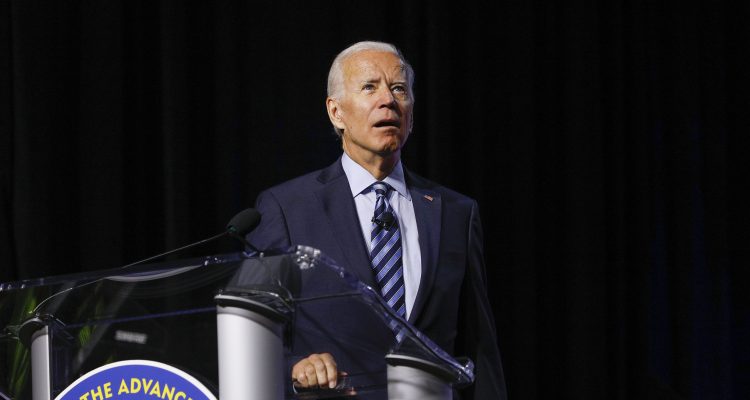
[[603, 140]]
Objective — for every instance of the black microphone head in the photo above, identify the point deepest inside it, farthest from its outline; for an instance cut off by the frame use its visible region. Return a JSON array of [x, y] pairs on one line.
[[244, 222]]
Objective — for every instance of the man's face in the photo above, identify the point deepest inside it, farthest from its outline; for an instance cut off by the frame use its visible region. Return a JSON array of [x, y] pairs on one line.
[[375, 109]]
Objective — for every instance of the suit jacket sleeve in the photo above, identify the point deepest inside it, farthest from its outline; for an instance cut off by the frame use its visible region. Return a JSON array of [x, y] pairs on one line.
[[272, 232], [477, 337]]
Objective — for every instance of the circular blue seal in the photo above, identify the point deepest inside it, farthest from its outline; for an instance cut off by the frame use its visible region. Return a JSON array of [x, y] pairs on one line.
[[136, 379]]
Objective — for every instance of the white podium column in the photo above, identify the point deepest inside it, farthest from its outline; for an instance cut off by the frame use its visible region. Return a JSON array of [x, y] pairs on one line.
[[34, 334], [413, 378], [251, 349]]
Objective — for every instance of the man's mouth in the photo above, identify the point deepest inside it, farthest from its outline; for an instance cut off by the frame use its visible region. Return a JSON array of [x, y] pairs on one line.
[[388, 123]]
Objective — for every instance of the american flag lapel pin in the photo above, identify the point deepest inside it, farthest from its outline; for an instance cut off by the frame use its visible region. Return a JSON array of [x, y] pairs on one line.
[[428, 197]]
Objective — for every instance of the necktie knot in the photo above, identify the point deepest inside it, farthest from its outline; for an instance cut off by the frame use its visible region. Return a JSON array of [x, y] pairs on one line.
[[381, 188]]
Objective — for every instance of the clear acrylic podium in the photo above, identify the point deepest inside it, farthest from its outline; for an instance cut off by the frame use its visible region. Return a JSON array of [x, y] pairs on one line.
[[236, 323]]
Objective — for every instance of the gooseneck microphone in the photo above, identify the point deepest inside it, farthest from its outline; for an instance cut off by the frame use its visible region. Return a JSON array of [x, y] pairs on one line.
[[239, 226], [242, 224]]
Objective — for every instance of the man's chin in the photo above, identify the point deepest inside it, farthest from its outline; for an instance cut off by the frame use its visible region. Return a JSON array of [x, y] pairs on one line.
[[390, 149], [384, 148], [393, 143]]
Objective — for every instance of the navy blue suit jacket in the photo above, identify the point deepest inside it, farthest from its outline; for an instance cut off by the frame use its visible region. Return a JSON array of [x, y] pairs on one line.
[[451, 306]]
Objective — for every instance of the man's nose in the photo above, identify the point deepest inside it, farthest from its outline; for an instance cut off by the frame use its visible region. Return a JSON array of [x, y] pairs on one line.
[[386, 98]]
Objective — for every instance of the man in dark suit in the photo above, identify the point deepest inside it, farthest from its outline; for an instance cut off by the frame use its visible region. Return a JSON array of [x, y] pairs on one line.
[[416, 241]]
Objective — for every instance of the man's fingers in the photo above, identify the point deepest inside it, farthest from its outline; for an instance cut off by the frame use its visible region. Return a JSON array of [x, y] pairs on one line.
[[311, 374], [301, 378], [325, 369], [321, 378], [331, 369], [298, 373], [316, 370]]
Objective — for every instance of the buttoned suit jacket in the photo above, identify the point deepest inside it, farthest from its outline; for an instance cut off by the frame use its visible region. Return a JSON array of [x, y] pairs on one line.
[[451, 305]]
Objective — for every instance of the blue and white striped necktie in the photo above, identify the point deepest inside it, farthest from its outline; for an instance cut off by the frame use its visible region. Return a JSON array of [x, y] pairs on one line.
[[385, 253]]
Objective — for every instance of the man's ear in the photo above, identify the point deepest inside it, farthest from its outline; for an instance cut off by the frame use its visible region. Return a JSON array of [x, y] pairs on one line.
[[334, 113]]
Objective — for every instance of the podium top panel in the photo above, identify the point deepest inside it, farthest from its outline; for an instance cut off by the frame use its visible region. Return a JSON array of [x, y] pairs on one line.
[[167, 312]]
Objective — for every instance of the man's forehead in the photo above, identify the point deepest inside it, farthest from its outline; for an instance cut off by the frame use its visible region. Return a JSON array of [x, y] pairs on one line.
[[364, 64]]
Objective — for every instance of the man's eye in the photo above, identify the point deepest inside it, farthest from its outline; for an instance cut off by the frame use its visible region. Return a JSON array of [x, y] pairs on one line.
[[368, 86], [399, 89]]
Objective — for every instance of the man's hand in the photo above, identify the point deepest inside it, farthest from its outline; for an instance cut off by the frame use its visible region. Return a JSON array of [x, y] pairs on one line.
[[317, 370]]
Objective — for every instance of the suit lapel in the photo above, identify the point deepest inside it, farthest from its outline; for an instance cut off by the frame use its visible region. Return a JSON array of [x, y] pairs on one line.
[[338, 205], [427, 210], [340, 212]]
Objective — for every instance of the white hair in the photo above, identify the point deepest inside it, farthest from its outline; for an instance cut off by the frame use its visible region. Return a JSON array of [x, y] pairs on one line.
[[336, 73]]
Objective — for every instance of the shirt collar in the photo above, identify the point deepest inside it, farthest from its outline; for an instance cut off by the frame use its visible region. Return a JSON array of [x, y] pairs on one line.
[[360, 179]]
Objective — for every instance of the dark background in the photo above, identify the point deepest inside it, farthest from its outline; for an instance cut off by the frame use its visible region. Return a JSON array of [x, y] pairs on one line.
[[604, 142]]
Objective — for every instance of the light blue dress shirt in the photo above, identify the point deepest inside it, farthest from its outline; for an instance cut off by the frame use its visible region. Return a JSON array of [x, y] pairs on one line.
[[360, 181]]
